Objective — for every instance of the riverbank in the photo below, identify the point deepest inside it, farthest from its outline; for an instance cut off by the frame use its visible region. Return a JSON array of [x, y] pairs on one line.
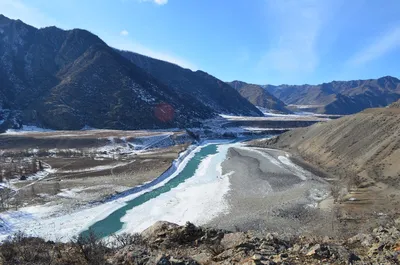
[[219, 183], [269, 193], [183, 194]]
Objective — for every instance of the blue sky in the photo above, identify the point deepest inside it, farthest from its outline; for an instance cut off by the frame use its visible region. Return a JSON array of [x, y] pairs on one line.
[[257, 41]]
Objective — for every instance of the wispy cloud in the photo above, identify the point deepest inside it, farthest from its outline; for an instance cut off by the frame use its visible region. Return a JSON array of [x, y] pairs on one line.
[[381, 46], [16, 9], [131, 45], [124, 33], [293, 47], [299, 24], [158, 2]]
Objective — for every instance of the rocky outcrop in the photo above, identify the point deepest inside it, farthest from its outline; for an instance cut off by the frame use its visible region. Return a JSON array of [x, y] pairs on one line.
[[381, 246], [170, 244]]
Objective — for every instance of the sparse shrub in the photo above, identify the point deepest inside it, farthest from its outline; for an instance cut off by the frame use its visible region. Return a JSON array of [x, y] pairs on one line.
[[92, 247], [21, 249], [5, 198], [126, 239]]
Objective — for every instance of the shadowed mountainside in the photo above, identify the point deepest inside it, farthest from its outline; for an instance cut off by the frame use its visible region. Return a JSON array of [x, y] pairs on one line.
[[209, 90], [259, 96], [70, 79]]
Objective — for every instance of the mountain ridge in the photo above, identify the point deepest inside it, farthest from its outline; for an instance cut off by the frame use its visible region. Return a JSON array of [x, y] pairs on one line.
[[51, 73], [209, 90], [76, 77], [340, 97], [259, 96]]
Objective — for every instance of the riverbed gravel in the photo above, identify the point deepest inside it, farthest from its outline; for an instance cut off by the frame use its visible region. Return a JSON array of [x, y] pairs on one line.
[[270, 193]]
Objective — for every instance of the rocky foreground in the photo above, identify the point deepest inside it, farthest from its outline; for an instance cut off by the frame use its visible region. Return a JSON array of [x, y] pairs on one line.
[[170, 244]]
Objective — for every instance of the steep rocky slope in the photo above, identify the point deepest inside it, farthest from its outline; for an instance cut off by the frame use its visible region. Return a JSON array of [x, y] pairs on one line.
[[341, 97], [71, 79], [259, 96], [209, 90]]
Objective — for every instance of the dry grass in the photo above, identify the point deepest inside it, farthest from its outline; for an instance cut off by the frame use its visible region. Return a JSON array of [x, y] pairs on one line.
[[361, 153]]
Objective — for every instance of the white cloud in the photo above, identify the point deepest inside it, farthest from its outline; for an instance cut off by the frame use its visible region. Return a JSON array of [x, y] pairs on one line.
[[158, 2], [130, 45], [124, 33], [293, 46], [161, 2], [16, 9], [382, 45]]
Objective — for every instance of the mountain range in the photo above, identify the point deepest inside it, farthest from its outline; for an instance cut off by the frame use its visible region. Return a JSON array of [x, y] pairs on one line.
[[71, 79], [339, 97], [207, 89], [260, 97]]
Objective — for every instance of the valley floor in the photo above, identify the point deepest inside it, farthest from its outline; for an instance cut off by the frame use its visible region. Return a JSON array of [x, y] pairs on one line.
[[269, 193], [88, 175]]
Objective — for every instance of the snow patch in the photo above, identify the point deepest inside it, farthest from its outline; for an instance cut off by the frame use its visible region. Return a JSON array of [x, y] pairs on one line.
[[198, 200], [298, 171], [48, 222], [27, 129]]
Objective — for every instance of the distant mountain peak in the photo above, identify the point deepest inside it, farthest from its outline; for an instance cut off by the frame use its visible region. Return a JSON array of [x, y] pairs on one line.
[[2, 17], [340, 97], [259, 96]]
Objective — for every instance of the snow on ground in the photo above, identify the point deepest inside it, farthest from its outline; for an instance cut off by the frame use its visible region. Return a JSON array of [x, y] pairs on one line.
[[282, 162], [302, 115], [49, 222], [278, 117], [138, 145], [27, 129], [258, 129], [96, 168], [70, 193], [36, 176], [298, 171], [198, 199]]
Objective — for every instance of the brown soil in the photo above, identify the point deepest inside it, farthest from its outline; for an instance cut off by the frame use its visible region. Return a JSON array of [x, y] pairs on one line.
[[359, 155], [91, 177]]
